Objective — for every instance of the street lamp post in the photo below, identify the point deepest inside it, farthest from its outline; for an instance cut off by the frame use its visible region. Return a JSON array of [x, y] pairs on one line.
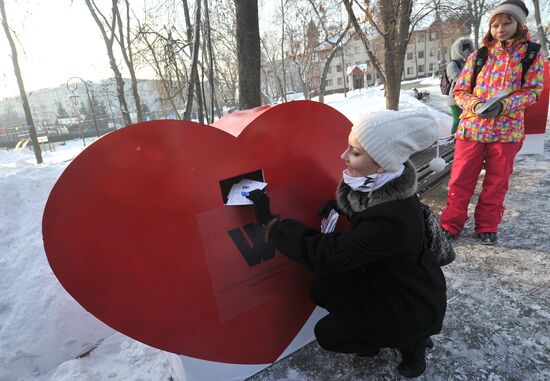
[[72, 86], [73, 99]]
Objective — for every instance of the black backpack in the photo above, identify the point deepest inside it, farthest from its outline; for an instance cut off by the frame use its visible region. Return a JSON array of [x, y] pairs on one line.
[[435, 241], [482, 53], [445, 83]]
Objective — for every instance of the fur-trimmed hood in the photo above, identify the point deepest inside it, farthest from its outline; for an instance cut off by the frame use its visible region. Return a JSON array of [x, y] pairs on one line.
[[350, 201], [457, 49]]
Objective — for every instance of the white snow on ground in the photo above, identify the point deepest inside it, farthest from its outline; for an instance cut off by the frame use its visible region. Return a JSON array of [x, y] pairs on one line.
[[46, 335]]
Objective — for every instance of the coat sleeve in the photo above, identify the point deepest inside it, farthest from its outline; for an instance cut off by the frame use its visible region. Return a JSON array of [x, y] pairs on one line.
[[336, 252], [453, 71], [530, 91], [462, 91]]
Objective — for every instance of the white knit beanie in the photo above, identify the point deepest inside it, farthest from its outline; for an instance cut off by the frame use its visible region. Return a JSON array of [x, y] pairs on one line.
[[390, 137], [515, 8]]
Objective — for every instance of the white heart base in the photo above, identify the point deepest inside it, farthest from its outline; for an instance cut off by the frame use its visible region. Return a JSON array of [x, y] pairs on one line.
[[200, 370]]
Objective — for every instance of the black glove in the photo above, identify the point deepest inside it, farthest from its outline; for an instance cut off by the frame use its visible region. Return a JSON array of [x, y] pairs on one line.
[[261, 206], [492, 112], [326, 207]]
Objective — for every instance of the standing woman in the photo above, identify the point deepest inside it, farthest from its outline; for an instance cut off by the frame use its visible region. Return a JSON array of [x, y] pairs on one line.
[[380, 285], [460, 51], [496, 134]]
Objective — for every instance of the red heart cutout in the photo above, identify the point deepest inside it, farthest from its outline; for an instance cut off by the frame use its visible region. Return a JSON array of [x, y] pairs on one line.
[[135, 229]]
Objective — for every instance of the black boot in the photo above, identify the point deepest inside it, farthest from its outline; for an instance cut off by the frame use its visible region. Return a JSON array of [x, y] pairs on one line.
[[414, 359], [487, 238], [430, 344]]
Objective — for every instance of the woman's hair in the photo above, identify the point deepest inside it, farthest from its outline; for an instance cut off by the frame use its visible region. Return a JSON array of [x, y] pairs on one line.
[[521, 32]]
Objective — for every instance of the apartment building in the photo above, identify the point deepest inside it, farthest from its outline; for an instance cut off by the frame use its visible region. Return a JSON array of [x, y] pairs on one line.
[[428, 49], [44, 102]]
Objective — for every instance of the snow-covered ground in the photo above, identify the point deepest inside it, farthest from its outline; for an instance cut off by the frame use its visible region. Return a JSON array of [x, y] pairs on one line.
[[46, 335]]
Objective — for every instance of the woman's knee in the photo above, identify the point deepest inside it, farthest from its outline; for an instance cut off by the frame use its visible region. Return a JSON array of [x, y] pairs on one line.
[[321, 333], [329, 334]]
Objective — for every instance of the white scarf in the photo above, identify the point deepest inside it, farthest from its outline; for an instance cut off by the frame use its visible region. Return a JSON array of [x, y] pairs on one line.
[[366, 183]]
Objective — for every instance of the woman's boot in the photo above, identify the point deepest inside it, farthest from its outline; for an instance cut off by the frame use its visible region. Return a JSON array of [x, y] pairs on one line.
[[414, 359]]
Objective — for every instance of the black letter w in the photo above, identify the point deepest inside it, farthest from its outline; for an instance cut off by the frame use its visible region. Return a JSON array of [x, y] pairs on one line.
[[260, 250]]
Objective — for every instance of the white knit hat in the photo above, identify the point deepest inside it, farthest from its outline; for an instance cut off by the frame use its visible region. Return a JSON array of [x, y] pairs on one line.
[[390, 137], [514, 8]]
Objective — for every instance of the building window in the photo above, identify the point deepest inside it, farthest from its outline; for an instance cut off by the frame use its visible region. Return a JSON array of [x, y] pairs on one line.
[[338, 68], [338, 81], [431, 67], [329, 82], [421, 68], [356, 37], [357, 50], [421, 37], [410, 56], [420, 54], [433, 35], [329, 70], [431, 52], [369, 77], [409, 70]]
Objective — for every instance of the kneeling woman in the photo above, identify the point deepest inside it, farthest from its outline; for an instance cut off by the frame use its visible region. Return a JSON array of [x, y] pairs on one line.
[[379, 285]]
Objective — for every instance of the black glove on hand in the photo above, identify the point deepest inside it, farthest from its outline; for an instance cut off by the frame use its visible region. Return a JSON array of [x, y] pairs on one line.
[[261, 206], [492, 112], [326, 207]]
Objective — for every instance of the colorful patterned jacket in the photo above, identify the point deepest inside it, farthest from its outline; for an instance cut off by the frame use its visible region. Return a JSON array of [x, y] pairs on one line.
[[501, 71]]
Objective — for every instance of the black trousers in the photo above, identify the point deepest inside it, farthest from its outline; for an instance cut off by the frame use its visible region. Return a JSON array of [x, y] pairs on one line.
[[332, 336]]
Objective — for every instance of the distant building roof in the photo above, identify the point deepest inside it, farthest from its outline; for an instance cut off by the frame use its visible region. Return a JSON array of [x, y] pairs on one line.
[[362, 67]]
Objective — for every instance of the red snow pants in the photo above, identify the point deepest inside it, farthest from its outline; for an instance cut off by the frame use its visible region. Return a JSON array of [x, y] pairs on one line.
[[467, 164]]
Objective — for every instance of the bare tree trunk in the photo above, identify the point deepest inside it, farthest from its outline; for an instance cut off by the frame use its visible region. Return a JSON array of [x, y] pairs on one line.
[[126, 49], [204, 108], [415, 58], [344, 73], [218, 110], [194, 62], [441, 60], [210, 59], [394, 20], [112, 61], [305, 88], [540, 28], [351, 14], [328, 62], [426, 53], [196, 84], [395, 44], [476, 9], [158, 69], [283, 49], [22, 92], [248, 51], [199, 89], [271, 59], [189, 33]]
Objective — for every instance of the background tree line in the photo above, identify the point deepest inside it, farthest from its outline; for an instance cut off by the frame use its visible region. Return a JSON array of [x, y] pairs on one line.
[[210, 54]]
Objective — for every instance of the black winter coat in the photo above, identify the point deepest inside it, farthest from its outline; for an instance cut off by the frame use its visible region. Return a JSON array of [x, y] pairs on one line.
[[376, 279]]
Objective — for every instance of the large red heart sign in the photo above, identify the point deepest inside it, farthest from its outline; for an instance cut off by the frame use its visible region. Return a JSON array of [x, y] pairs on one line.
[[136, 229]]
